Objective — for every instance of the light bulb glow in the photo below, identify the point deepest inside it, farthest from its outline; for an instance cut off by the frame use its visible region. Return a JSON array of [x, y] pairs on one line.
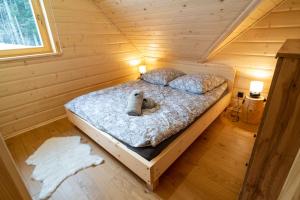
[[142, 69], [256, 87]]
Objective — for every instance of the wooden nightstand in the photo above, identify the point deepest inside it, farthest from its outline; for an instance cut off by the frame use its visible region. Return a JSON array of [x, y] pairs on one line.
[[252, 109]]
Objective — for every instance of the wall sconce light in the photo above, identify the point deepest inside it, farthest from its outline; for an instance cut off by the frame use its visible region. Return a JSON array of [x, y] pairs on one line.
[[256, 88], [142, 69]]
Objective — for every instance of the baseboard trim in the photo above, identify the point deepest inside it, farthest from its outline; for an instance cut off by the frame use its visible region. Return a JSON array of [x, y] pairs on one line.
[[14, 134]]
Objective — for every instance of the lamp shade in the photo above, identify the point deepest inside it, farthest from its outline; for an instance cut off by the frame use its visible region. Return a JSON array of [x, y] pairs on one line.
[[142, 69], [256, 88]]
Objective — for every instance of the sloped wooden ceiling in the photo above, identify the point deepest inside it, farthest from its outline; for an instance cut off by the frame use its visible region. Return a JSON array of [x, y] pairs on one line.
[[174, 29], [262, 9]]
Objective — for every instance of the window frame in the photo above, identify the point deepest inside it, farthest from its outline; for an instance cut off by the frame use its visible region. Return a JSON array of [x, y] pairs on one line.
[[47, 37]]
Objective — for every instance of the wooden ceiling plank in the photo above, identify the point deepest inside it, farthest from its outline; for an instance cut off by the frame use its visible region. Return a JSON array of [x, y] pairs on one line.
[[171, 22]]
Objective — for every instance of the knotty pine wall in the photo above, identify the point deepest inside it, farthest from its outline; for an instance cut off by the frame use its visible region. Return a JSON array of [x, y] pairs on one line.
[[95, 54], [253, 52]]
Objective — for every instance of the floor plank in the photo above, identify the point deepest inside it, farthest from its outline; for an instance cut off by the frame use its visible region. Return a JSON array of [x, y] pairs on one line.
[[213, 167]]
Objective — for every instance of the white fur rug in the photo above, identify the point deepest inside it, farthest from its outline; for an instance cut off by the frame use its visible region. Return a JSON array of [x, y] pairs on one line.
[[58, 158]]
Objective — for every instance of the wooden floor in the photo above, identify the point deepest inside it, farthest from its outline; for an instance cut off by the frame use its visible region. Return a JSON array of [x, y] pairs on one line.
[[212, 168]]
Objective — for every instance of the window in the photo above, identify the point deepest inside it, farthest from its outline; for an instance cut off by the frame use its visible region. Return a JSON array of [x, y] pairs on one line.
[[24, 30]]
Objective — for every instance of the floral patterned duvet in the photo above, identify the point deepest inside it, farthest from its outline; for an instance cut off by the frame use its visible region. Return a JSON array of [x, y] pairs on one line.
[[106, 110]]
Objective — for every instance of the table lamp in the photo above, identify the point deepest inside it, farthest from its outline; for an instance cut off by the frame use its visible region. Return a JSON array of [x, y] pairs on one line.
[[256, 88], [142, 69]]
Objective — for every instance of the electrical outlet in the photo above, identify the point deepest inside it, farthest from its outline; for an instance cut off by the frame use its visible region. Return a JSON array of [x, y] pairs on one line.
[[240, 94]]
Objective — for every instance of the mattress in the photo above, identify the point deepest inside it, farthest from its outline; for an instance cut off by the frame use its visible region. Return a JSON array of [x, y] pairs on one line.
[[106, 110]]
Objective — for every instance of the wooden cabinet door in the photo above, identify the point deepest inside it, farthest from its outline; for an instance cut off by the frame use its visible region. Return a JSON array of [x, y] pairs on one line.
[[278, 137]]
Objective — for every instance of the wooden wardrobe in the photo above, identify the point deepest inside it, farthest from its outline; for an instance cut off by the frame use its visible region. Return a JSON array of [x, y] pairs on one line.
[[278, 137]]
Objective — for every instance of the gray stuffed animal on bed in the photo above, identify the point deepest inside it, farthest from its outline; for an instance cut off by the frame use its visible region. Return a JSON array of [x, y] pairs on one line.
[[148, 103], [134, 103]]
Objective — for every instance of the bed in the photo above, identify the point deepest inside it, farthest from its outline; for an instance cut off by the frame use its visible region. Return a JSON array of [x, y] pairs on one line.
[[134, 141]]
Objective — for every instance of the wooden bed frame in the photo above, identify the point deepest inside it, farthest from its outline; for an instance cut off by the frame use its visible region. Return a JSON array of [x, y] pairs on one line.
[[150, 171]]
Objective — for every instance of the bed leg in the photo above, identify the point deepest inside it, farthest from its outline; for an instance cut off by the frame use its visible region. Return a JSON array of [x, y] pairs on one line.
[[151, 186]]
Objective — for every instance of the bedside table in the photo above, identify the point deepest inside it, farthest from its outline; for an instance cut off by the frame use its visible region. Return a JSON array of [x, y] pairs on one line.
[[252, 109]]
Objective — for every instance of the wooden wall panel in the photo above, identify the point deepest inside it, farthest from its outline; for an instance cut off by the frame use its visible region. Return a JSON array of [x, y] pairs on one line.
[[253, 52], [95, 55]]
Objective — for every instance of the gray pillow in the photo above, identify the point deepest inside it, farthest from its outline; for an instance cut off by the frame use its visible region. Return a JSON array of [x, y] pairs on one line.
[[197, 83], [161, 76]]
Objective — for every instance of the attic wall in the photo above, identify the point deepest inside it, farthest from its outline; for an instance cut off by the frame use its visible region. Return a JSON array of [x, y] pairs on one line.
[[253, 52], [95, 54]]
